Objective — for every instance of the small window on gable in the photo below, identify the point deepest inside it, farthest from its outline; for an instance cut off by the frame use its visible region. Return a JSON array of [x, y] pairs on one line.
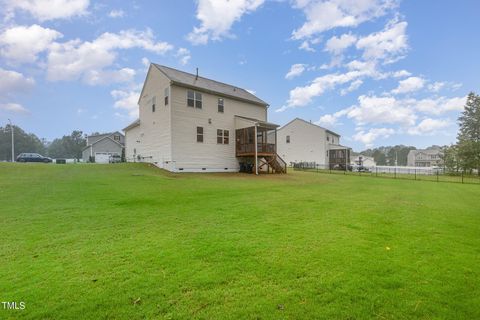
[[116, 137], [220, 105], [199, 134], [167, 93], [288, 139], [153, 104]]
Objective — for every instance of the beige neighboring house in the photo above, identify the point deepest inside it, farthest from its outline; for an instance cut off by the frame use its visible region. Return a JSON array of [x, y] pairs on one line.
[[303, 141], [365, 161], [425, 157], [188, 123], [101, 147]]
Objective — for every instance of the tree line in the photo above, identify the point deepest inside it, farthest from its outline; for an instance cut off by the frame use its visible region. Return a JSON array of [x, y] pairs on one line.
[[68, 146]]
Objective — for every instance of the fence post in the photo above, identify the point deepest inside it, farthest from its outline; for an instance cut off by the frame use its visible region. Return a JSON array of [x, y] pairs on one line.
[[376, 172], [415, 174], [395, 173], [462, 176], [437, 175]]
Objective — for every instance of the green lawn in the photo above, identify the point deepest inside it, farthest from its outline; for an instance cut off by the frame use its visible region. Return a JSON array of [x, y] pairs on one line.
[[132, 242]]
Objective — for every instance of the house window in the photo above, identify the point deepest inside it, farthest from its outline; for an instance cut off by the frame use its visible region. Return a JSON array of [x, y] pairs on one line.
[[223, 136], [220, 105], [153, 104], [116, 137], [194, 99], [166, 95], [333, 140], [199, 134], [328, 138], [288, 139]]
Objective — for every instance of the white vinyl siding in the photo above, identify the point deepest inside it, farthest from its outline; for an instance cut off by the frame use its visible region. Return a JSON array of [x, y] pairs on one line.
[[190, 155]]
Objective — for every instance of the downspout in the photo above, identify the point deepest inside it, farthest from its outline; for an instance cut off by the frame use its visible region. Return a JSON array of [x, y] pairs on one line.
[[256, 151]]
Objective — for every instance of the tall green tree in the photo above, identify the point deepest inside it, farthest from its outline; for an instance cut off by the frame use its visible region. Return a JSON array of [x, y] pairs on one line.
[[468, 139], [70, 146], [449, 156], [23, 142]]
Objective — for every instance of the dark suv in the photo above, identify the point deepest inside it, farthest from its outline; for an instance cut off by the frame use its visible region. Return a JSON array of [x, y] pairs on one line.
[[32, 157]]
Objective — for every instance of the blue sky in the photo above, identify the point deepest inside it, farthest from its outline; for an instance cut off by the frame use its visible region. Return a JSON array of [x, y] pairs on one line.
[[378, 72]]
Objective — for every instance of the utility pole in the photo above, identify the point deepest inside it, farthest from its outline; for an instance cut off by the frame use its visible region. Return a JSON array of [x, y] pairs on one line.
[[13, 146]]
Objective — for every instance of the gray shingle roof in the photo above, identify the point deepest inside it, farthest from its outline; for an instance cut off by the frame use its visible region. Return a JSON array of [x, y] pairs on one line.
[[190, 80]]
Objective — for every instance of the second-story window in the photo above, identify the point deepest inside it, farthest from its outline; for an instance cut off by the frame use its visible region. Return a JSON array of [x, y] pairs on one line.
[[288, 139], [167, 93], [194, 99], [154, 100], [220, 105], [116, 137], [199, 134], [328, 138]]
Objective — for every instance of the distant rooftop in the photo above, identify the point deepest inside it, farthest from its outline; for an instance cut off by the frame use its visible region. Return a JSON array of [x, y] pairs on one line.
[[191, 80]]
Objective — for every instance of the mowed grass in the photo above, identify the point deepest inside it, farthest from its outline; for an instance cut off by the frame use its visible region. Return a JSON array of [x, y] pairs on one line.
[[129, 241]]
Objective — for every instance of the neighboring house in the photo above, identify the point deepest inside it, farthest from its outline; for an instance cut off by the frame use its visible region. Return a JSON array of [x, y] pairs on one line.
[[365, 161], [303, 141], [425, 158], [101, 147], [189, 123]]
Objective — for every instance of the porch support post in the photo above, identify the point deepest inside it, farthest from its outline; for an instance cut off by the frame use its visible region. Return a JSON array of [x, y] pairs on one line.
[[256, 150]]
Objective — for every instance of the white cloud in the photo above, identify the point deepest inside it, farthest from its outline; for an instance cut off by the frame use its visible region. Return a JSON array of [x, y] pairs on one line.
[[368, 137], [428, 127], [13, 108], [401, 74], [306, 44], [23, 44], [184, 56], [86, 60], [388, 45], [436, 106], [323, 15], [217, 17], [116, 13], [336, 45], [12, 82], [376, 110], [410, 84], [436, 86], [330, 120], [44, 10], [302, 96], [127, 100], [295, 70], [353, 86], [98, 77]]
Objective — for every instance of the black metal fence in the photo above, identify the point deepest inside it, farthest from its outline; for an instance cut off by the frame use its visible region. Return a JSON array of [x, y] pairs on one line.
[[434, 174]]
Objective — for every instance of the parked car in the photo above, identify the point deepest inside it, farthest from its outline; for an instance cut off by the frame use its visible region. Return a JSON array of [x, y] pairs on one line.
[[115, 158], [32, 157]]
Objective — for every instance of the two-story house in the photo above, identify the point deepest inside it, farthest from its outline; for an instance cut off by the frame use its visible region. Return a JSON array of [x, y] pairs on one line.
[[188, 123], [102, 147], [425, 157], [303, 141]]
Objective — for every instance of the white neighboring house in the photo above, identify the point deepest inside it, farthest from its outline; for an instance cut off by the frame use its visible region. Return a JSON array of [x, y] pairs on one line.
[[303, 141], [102, 147], [425, 157], [364, 161], [189, 123]]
